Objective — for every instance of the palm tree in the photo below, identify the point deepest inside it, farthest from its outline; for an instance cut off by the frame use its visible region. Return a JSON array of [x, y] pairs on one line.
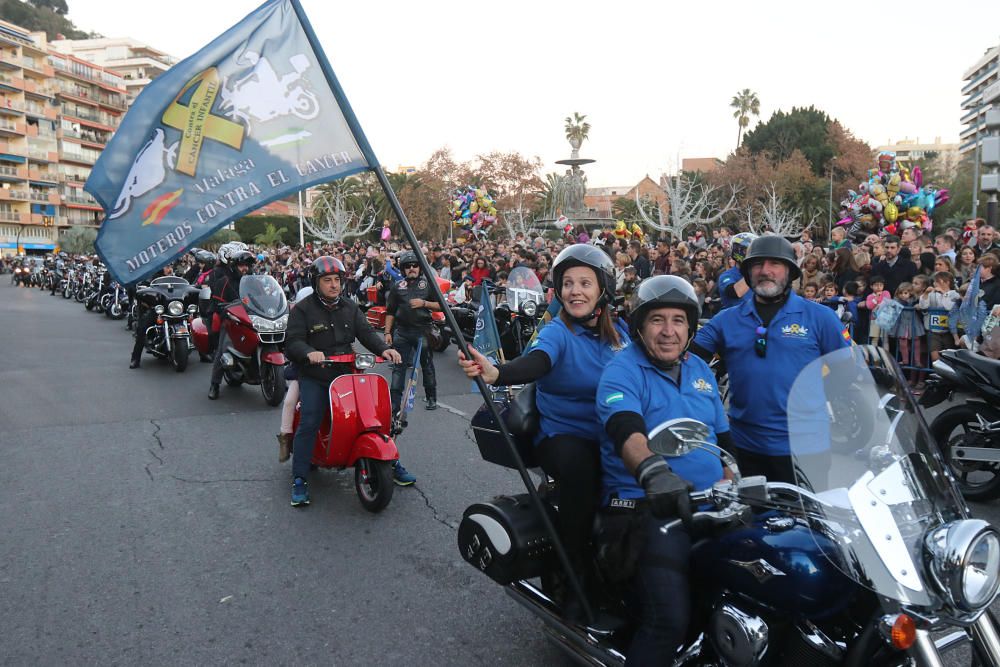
[[271, 235], [577, 130], [745, 103]]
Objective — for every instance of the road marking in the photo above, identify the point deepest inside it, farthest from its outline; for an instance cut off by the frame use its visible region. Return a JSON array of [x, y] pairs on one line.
[[454, 411]]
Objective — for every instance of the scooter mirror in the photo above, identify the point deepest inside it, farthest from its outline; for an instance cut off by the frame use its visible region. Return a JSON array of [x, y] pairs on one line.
[[677, 437]]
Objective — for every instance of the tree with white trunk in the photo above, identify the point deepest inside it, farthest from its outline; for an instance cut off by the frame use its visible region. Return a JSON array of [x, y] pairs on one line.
[[689, 203], [774, 216], [342, 210]]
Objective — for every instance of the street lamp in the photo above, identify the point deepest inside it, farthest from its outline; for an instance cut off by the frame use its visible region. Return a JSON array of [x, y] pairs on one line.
[[829, 232]]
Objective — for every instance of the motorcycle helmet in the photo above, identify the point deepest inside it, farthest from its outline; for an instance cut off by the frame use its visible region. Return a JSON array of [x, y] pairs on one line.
[[771, 247], [740, 244], [325, 266], [591, 256], [226, 251], [242, 257], [205, 257], [406, 257], [661, 292]]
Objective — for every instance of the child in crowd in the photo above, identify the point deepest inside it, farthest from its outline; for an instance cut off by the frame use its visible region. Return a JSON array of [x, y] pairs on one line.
[[849, 298], [937, 302], [810, 291], [873, 301], [909, 333]]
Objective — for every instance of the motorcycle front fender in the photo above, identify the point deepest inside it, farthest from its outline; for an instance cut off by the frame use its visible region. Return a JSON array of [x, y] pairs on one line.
[[373, 446], [273, 356]]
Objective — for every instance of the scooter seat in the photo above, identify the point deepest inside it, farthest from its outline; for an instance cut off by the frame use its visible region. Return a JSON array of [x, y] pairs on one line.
[[989, 368]]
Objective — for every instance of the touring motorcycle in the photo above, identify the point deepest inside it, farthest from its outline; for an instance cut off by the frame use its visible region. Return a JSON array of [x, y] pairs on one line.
[[870, 558], [174, 302]]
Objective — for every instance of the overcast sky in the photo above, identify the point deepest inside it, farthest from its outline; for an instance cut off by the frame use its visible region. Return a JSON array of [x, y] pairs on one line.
[[654, 78]]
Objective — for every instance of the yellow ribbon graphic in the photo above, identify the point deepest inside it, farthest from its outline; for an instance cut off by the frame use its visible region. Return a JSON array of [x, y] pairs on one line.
[[196, 122]]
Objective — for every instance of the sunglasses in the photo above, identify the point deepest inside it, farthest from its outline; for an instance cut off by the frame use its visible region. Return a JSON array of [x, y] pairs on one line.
[[760, 345], [410, 266]]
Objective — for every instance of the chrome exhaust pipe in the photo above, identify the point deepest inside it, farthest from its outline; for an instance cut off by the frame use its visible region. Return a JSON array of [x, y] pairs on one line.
[[584, 644]]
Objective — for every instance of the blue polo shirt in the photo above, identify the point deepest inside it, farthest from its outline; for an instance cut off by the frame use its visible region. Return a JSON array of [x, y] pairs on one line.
[[727, 278], [632, 384], [565, 395], [800, 333]]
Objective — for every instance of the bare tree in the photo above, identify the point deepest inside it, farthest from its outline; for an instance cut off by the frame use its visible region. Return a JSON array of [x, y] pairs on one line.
[[688, 203], [776, 217], [517, 221], [341, 211]]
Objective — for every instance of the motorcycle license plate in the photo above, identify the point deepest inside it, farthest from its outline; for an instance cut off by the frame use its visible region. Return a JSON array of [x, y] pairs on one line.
[[180, 330]]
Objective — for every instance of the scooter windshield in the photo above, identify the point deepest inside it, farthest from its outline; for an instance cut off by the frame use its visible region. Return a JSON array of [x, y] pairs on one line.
[[862, 449], [523, 285], [263, 296]]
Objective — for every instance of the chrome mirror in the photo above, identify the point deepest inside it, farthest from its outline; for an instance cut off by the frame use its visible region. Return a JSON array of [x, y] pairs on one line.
[[677, 437]]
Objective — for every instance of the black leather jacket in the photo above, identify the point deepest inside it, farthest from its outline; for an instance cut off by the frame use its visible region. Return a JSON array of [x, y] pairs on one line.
[[314, 327]]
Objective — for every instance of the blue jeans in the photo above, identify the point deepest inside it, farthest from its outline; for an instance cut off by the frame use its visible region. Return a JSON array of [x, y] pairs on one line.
[[314, 399], [404, 341], [660, 591]]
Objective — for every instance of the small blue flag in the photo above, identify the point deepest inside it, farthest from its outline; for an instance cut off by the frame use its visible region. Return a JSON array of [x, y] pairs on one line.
[[250, 118], [487, 337]]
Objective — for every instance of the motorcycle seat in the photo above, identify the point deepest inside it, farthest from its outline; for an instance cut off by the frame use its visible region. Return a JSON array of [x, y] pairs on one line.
[[990, 368]]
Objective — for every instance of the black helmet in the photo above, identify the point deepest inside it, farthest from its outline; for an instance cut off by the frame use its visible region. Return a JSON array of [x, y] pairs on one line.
[[325, 266], [242, 257], [664, 292], [771, 247], [204, 257], [406, 257], [580, 254]]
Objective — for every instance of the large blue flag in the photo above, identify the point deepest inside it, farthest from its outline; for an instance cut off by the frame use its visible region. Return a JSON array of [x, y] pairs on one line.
[[252, 117]]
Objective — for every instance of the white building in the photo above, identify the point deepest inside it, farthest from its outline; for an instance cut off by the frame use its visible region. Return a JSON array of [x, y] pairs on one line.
[[916, 153], [981, 91], [138, 63]]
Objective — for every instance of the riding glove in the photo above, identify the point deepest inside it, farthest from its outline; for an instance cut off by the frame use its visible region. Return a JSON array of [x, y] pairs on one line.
[[666, 492]]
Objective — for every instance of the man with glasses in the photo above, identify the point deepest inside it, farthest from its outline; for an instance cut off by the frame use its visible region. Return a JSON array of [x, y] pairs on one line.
[[407, 321], [765, 342]]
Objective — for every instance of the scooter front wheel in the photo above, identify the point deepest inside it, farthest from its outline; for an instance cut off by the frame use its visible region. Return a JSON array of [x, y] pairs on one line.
[[373, 482]]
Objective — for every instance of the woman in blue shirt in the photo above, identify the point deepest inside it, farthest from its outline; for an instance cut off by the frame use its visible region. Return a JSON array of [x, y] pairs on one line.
[[565, 361]]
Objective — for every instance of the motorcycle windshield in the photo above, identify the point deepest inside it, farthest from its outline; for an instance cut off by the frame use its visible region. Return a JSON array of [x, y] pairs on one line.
[[263, 295], [861, 446], [523, 285]]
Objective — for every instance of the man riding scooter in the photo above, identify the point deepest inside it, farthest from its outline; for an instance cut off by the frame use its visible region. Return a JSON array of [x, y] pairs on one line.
[[322, 325]]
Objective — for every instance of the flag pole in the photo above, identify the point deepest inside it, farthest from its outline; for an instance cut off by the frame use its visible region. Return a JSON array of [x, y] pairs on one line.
[[373, 163]]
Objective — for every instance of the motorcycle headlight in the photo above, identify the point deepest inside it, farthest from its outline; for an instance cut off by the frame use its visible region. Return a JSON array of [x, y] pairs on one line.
[[175, 308], [264, 324], [159, 310], [192, 309], [529, 308], [363, 361], [964, 560]]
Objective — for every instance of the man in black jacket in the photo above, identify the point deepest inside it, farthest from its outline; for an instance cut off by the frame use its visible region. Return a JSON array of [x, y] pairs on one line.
[[322, 325], [225, 290], [893, 268]]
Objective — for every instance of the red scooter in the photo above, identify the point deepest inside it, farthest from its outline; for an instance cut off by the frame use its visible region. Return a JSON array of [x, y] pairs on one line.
[[357, 430], [255, 326]]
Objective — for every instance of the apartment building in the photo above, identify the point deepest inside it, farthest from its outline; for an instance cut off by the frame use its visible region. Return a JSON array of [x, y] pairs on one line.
[[137, 63], [916, 152], [57, 112], [980, 91]]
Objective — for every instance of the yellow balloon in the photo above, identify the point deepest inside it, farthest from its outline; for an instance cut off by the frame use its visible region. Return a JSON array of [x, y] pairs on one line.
[[473, 207], [893, 186], [891, 213]]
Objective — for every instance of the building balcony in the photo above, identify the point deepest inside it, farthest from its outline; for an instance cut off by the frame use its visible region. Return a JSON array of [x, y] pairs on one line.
[[35, 66], [8, 128], [13, 149], [13, 216], [979, 78], [9, 173], [10, 106], [12, 80], [13, 194], [80, 200], [78, 158], [42, 176]]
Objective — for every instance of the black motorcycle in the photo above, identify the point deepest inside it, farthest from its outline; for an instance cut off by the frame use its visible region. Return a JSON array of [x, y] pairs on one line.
[[869, 558], [968, 433], [517, 309], [174, 301], [115, 301]]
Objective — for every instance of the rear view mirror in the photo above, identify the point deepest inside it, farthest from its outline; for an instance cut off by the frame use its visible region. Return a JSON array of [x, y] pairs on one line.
[[677, 437]]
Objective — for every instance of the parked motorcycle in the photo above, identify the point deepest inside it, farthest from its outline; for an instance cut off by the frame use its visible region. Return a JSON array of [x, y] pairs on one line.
[[255, 326], [115, 301], [870, 558], [175, 303], [968, 433], [357, 432]]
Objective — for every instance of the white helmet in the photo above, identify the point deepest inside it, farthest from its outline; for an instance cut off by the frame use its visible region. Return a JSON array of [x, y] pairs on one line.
[[227, 250]]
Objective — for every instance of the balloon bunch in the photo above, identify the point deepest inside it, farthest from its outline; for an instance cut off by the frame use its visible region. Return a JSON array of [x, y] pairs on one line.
[[892, 199], [473, 210], [622, 231]]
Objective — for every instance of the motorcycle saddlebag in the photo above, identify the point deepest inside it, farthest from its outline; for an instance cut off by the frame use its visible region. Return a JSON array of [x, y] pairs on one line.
[[492, 446], [506, 539]]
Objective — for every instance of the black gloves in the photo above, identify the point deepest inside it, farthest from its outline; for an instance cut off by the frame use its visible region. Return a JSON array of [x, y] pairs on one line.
[[666, 491]]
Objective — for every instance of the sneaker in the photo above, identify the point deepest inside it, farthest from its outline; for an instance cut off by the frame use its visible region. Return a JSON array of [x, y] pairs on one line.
[[432, 404], [401, 475], [284, 447], [300, 492]]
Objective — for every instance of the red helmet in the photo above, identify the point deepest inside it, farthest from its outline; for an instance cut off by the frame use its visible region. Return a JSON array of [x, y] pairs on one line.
[[325, 266]]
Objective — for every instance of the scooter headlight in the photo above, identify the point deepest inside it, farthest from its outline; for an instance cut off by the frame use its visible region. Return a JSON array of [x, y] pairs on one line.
[[964, 560], [175, 308], [159, 310], [364, 361], [529, 308]]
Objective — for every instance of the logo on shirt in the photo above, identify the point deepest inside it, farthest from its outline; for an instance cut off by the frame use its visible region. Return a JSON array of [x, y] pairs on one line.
[[702, 386], [795, 330], [422, 284], [402, 284], [614, 398]]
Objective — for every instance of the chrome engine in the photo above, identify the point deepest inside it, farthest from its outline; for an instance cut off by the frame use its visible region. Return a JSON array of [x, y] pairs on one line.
[[739, 638]]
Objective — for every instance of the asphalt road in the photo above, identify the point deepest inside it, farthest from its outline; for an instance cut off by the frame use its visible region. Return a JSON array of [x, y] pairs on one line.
[[141, 523]]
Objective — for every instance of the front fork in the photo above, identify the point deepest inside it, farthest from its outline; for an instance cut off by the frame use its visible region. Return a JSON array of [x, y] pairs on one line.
[[985, 639]]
